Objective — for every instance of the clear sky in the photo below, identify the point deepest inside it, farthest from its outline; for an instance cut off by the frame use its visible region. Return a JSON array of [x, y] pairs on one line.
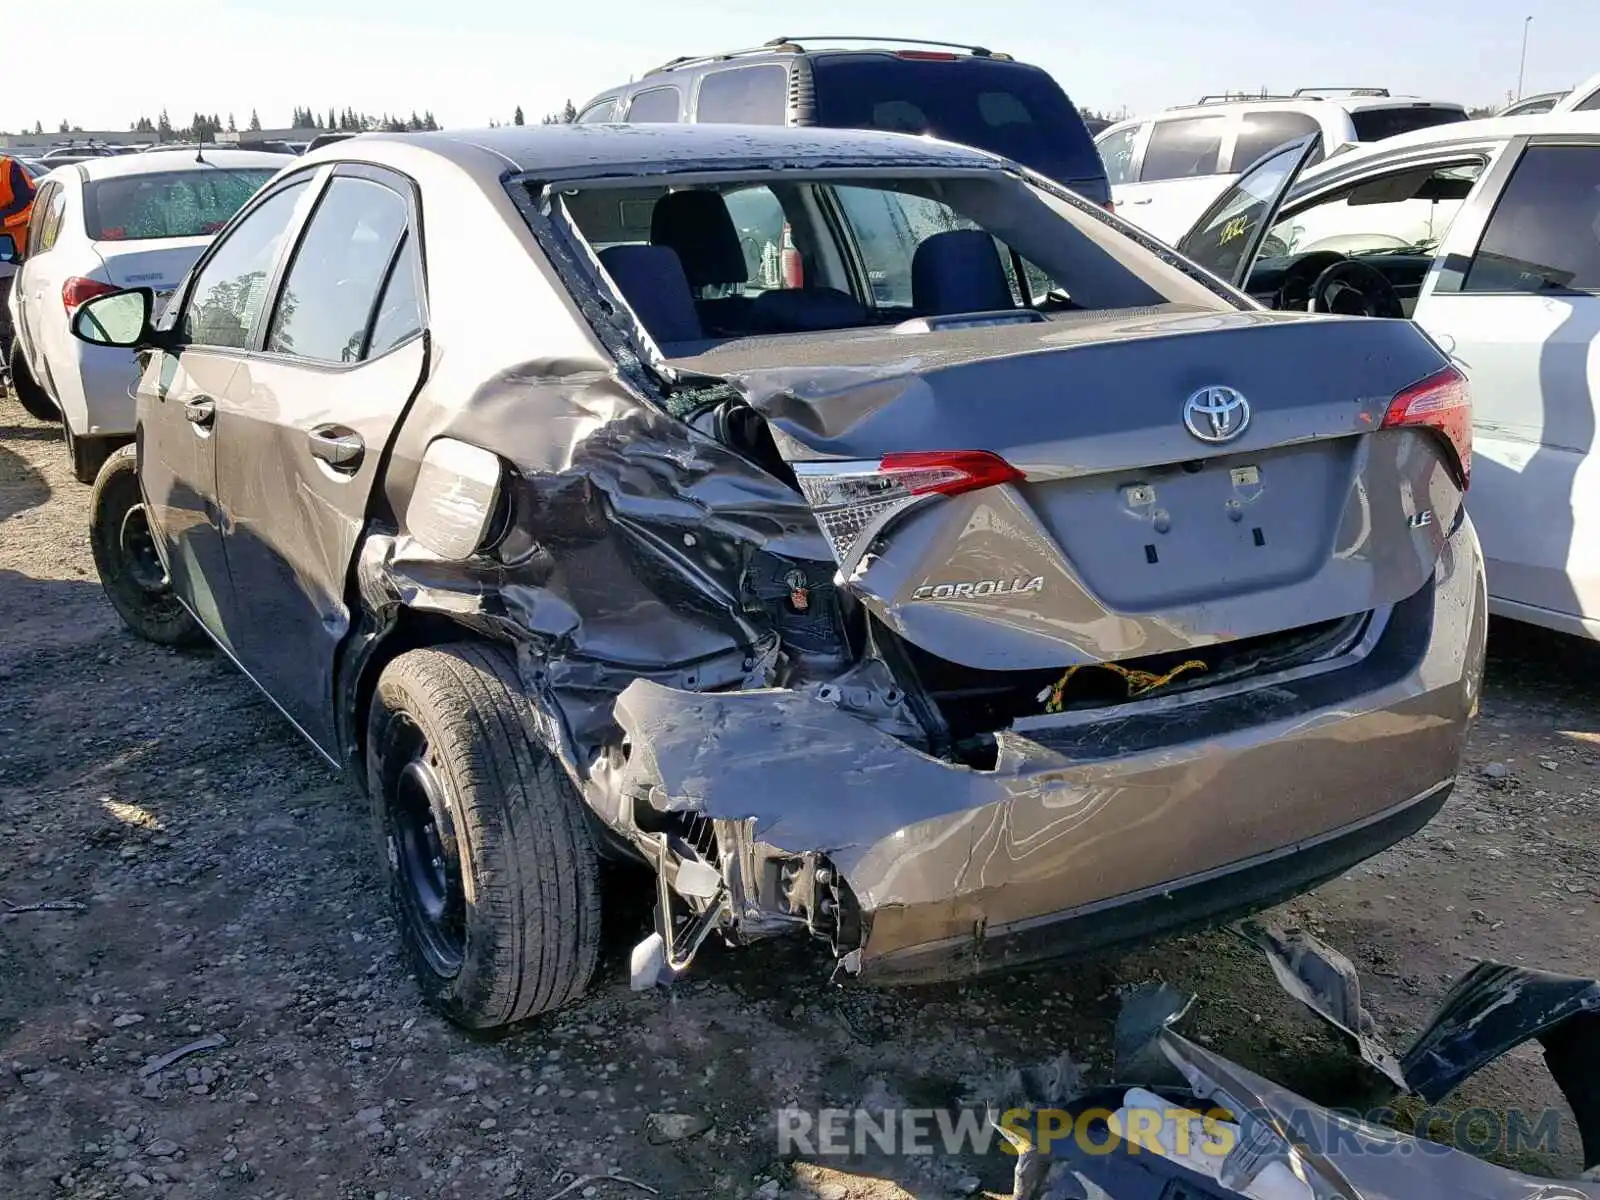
[[100, 65]]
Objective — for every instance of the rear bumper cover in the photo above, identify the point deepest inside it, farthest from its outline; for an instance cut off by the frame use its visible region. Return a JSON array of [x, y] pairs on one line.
[[1079, 835]]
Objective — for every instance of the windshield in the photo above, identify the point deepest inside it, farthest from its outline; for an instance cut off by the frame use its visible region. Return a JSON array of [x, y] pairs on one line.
[[1375, 124], [1004, 107], [168, 204], [737, 257]]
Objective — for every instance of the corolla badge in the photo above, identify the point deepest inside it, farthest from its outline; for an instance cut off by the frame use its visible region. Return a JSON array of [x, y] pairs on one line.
[[980, 589], [1216, 414]]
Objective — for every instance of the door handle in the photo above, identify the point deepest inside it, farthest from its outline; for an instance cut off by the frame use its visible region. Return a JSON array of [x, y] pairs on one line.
[[200, 410], [337, 446], [1146, 200]]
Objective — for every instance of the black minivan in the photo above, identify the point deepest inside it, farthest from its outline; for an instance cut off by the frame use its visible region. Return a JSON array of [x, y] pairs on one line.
[[963, 94]]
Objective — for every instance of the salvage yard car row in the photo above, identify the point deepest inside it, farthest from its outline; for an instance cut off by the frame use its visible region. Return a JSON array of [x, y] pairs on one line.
[[766, 588], [798, 511]]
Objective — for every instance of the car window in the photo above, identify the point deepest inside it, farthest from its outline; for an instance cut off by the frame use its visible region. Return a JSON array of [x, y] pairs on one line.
[[1008, 108], [1260, 132], [168, 204], [760, 220], [1116, 152], [43, 203], [1545, 231], [888, 226], [399, 315], [53, 217], [1184, 148], [1590, 103], [1405, 211], [654, 106], [744, 96], [599, 114], [231, 289], [1375, 124], [339, 267]]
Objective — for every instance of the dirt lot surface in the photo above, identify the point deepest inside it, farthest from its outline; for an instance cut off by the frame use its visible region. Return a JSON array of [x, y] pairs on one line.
[[229, 897]]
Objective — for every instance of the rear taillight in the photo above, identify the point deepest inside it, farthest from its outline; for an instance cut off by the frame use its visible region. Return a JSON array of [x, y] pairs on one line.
[[1443, 403], [927, 55], [78, 290], [854, 500]]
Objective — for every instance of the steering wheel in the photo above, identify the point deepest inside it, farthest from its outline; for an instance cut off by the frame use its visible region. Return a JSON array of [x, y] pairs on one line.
[[1355, 289]]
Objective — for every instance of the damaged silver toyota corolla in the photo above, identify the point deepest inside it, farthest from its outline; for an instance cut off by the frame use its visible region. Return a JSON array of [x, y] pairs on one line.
[[874, 539]]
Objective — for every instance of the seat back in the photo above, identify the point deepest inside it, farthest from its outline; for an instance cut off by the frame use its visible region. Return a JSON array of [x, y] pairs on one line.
[[959, 271], [652, 281], [699, 227]]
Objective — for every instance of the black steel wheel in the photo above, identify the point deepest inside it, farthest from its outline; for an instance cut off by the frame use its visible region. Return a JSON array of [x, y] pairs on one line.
[[491, 866]]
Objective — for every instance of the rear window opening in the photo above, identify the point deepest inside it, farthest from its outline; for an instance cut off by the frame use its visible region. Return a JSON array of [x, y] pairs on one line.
[[168, 204], [975, 703], [1375, 124], [709, 261]]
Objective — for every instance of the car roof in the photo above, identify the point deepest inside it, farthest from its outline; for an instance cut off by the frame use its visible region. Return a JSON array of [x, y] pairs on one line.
[[1580, 93], [1531, 125], [116, 166], [570, 150]]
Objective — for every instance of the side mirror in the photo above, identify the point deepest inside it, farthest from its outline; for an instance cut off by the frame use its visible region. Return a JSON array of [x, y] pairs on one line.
[[116, 319], [8, 249]]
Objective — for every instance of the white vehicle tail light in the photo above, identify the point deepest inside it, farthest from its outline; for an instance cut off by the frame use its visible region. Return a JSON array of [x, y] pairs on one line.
[[854, 500], [455, 498], [78, 290], [1443, 403]]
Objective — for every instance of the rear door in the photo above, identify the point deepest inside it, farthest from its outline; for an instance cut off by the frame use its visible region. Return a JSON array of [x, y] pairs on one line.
[[1228, 235], [1180, 170], [1517, 303], [178, 396], [302, 430]]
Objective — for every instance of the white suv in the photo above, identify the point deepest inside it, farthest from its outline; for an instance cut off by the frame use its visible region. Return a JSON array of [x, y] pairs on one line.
[[1165, 169]]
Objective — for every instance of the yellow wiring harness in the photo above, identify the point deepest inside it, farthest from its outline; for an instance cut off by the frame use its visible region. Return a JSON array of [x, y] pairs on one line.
[[1139, 682]]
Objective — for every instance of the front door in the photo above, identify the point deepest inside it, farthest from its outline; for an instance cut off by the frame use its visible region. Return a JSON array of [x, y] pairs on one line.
[[302, 432], [1228, 235], [178, 395], [1520, 313]]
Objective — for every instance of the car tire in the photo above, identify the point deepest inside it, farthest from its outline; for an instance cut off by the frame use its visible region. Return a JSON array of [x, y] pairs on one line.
[[125, 555], [88, 454], [34, 399], [492, 869]]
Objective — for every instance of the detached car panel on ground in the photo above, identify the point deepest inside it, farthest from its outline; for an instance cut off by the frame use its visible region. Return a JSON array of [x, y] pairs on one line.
[[960, 621]]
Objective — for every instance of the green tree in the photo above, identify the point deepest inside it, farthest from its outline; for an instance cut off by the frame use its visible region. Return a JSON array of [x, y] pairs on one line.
[[66, 127], [516, 117], [255, 122]]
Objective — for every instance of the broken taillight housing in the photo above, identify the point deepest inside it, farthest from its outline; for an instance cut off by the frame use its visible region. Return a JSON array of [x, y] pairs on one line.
[[853, 500], [1443, 403]]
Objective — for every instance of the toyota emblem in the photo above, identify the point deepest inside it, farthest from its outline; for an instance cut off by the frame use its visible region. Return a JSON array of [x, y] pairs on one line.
[[1216, 414]]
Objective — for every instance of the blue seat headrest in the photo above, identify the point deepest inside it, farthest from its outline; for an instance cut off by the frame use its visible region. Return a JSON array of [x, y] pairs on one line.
[[959, 271], [652, 281]]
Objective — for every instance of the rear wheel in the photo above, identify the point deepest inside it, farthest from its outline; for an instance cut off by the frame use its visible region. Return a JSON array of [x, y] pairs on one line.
[[34, 399], [494, 875], [125, 555]]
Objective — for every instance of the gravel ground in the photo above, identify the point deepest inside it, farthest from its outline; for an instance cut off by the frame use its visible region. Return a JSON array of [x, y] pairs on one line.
[[224, 898]]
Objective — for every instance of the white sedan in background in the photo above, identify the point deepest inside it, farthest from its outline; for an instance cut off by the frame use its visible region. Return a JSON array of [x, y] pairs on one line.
[[135, 220]]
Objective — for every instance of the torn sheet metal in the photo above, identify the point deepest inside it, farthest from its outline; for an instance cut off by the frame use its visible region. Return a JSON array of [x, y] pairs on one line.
[[1326, 982], [1267, 1143], [1495, 1008], [1491, 1010]]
